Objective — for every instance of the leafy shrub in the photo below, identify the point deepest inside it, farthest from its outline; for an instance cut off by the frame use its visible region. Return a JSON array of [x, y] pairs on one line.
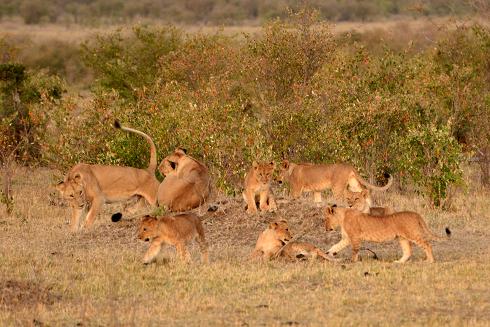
[[293, 92]]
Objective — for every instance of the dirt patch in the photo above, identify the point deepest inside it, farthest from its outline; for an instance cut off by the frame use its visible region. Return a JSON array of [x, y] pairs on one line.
[[16, 293]]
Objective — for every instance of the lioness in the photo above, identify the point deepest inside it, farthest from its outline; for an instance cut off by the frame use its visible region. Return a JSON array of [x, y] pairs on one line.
[[316, 178], [362, 201], [94, 185], [257, 180], [271, 240], [303, 250], [187, 184], [173, 230], [356, 226]]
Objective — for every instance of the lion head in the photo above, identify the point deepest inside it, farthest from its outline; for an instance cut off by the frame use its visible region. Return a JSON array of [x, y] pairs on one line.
[[281, 231], [147, 229], [358, 200], [331, 215], [264, 171], [73, 191], [167, 167], [283, 175]]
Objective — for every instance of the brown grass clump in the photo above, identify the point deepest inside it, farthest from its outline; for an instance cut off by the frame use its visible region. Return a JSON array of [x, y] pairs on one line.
[[97, 278]]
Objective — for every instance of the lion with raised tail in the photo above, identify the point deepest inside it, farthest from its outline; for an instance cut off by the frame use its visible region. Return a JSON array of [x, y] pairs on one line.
[[408, 227], [92, 186]]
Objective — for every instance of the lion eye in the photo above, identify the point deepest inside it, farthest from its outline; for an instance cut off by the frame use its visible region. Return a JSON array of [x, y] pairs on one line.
[[144, 229], [72, 196]]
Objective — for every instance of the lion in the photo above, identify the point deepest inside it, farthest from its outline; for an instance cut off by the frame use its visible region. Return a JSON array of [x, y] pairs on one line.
[[295, 250], [94, 185], [271, 240], [175, 230], [307, 177], [257, 180], [356, 226], [362, 201], [187, 184]]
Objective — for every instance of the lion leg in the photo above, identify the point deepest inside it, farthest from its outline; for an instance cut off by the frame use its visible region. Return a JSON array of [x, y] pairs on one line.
[[183, 252], [152, 252], [92, 213], [263, 201], [272, 203], [76, 213], [250, 199], [427, 248], [203, 246], [296, 192], [339, 246], [356, 244], [317, 197], [406, 249]]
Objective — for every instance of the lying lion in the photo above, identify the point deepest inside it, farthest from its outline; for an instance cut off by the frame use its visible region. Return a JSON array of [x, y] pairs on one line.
[[272, 240], [317, 178], [187, 183], [173, 230], [95, 185], [361, 201], [295, 250], [257, 181], [357, 226]]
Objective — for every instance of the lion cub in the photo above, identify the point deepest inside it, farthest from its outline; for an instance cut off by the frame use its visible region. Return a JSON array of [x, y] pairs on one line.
[[362, 201], [271, 240], [303, 250], [257, 181], [356, 226], [187, 184], [174, 230]]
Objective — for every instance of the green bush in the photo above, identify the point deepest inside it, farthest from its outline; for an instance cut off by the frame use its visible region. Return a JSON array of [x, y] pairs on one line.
[[292, 92]]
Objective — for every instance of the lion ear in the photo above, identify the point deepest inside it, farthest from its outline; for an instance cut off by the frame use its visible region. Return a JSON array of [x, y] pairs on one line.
[[61, 186], [77, 178], [285, 164], [273, 225], [365, 192], [255, 165], [180, 152], [272, 164]]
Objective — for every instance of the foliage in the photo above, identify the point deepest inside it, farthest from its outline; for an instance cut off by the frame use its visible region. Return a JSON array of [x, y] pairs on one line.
[[22, 118], [291, 92]]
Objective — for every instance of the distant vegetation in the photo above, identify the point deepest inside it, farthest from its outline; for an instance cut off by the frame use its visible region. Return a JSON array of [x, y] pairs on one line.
[[218, 11]]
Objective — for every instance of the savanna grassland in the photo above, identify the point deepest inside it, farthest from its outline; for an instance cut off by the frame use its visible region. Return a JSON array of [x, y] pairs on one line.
[[50, 276], [382, 88]]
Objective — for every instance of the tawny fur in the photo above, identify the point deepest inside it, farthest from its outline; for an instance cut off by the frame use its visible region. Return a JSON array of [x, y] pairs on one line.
[[295, 250], [356, 226], [187, 186], [257, 182], [95, 185], [173, 230], [362, 201], [271, 240], [314, 178]]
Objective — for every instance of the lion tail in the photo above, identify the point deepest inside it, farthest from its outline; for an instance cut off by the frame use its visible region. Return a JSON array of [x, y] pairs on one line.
[[323, 255], [433, 236], [153, 150], [374, 187]]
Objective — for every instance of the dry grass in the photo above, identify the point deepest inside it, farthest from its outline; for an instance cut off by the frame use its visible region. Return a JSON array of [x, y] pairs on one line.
[[50, 276], [77, 33]]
